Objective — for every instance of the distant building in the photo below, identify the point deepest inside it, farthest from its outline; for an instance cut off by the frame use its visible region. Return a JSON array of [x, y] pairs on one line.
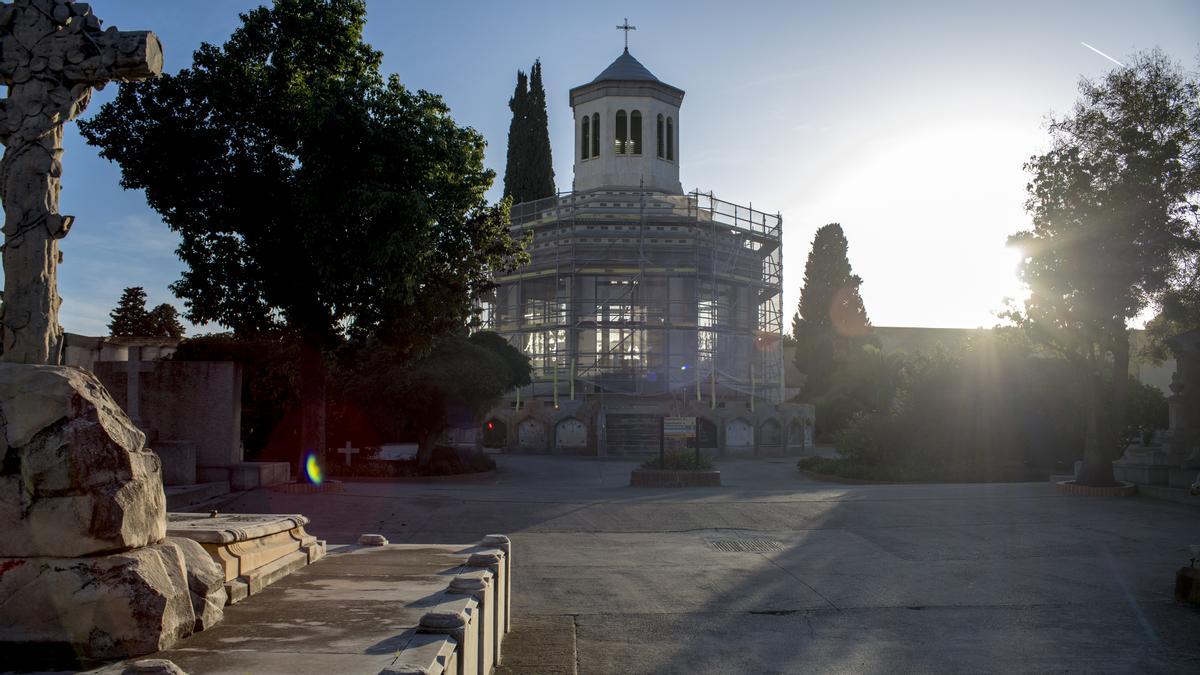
[[641, 301]]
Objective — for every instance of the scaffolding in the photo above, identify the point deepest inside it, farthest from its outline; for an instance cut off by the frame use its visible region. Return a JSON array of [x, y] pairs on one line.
[[644, 293]]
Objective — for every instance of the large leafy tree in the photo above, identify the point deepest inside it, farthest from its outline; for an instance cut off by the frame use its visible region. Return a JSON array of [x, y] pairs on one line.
[[314, 197], [1114, 232], [529, 170], [830, 316]]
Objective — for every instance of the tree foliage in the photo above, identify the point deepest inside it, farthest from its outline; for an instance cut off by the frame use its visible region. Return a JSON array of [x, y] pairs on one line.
[[529, 169], [130, 318], [454, 384], [311, 193], [830, 316], [1114, 210]]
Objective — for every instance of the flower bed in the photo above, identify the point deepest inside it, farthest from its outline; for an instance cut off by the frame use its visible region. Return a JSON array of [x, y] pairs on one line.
[[668, 478]]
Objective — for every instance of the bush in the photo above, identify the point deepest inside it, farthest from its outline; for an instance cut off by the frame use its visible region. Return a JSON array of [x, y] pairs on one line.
[[678, 460]]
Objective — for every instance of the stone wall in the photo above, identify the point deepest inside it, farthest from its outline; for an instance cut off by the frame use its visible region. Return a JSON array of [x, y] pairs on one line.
[[197, 401]]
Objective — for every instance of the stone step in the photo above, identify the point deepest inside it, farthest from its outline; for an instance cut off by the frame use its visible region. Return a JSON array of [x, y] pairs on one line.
[[183, 497]]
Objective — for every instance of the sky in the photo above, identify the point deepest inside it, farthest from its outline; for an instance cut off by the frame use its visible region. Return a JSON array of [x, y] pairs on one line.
[[908, 123]]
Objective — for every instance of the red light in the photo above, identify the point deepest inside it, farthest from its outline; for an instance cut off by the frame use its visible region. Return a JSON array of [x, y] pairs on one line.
[[491, 426]]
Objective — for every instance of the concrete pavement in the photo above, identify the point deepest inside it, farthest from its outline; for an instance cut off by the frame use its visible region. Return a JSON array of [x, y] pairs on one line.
[[773, 573]]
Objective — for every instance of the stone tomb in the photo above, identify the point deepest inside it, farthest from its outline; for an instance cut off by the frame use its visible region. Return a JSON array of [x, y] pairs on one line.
[[253, 551]]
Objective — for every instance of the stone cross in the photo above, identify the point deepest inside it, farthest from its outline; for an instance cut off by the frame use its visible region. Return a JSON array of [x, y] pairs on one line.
[[134, 367], [52, 54], [348, 451]]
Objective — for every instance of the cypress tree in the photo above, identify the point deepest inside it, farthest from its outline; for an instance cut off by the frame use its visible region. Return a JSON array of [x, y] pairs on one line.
[[541, 168], [529, 170], [831, 314], [514, 167]]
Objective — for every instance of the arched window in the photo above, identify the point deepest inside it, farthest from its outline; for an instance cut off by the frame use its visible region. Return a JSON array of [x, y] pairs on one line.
[[586, 144], [670, 140], [619, 138], [635, 133], [659, 136], [595, 134]]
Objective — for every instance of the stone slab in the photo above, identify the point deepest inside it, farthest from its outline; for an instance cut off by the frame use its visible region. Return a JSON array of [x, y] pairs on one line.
[[252, 551], [424, 654], [231, 527]]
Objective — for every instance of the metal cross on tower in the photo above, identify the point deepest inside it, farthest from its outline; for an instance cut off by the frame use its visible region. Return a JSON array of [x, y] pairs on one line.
[[626, 27]]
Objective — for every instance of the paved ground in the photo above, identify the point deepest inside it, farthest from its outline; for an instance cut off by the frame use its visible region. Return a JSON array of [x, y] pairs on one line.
[[949, 578]]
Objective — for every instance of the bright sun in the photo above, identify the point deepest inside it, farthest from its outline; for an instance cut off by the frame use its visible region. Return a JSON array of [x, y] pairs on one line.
[[929, 237]]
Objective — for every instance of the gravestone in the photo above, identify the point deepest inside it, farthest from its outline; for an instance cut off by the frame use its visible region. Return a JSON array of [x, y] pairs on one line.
[[86, 562]]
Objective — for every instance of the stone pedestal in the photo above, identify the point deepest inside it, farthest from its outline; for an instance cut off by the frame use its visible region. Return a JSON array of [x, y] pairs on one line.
[[1144, 465], [110, 606], [252, 551], [83, 561]]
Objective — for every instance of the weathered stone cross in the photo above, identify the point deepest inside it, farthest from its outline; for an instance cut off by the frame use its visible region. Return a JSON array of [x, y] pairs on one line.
[[348, 452], [134, 368], [52, 54]]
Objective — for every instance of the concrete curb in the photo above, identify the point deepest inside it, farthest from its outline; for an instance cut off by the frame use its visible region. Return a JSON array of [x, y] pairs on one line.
[[830, 478], [673, 479], [1069, 487]]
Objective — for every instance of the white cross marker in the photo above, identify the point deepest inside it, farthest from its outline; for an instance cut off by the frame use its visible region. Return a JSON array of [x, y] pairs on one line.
[[348, 451]]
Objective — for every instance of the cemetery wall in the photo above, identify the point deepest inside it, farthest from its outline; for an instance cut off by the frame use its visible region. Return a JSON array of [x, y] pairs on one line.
[[197, 401]]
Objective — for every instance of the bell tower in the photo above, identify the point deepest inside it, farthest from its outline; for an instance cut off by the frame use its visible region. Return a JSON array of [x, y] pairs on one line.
[[627, 129]]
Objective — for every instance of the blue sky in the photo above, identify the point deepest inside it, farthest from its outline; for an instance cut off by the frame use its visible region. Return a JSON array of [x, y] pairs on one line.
[[906, 122]]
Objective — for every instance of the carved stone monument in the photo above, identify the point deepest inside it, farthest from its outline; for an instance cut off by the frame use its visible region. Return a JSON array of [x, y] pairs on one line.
[[1176, 462], [84, 558]]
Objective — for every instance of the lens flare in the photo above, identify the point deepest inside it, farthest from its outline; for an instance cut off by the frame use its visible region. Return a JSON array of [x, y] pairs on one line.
[[313, 469]]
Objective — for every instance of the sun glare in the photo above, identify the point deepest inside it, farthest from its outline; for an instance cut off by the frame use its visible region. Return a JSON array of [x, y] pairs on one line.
[[945, 199]]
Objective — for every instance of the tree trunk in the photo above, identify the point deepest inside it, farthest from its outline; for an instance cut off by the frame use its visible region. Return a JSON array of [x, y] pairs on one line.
[[1120, 392], [312, 408], [1097, 465]]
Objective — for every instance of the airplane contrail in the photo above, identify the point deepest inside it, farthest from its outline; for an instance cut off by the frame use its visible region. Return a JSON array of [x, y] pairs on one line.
[[1102, 54]]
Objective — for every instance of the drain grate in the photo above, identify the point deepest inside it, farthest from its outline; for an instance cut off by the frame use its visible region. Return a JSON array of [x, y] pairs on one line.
[[745, 545]]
